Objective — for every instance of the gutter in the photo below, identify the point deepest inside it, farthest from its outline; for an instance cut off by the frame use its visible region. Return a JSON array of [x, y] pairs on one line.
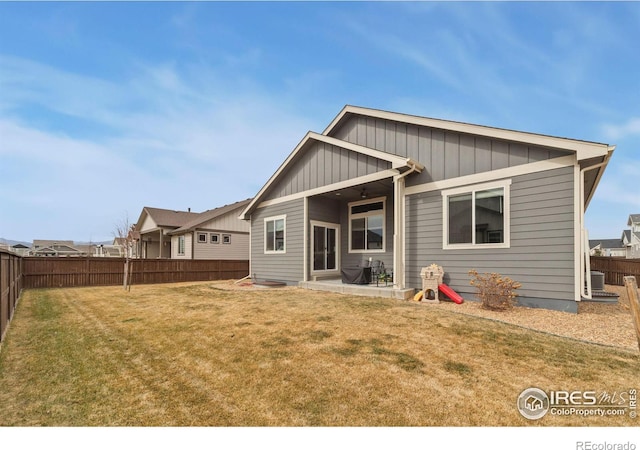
[[398, 223], [585, 260]]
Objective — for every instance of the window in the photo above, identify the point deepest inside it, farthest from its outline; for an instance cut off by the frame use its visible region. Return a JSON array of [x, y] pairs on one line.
[[180, 245], [477, 217], [367, 225], [226, 239], [202, 238], [274, 234], [215, 238]]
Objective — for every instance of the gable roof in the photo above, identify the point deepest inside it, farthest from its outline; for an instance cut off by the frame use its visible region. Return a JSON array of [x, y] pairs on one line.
[[166, 217], [633, 218], [584, 149], [606, 243], [208, 215], [396, 161]]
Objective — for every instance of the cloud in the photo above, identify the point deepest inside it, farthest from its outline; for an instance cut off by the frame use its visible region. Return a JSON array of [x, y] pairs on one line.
[[166, 137], [624, 130]]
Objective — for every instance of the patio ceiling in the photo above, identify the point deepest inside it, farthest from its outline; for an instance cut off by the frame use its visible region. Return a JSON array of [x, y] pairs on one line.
[[371, 190]]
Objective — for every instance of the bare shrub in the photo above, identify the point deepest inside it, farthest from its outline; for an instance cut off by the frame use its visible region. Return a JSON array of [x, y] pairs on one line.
[[496, 292]]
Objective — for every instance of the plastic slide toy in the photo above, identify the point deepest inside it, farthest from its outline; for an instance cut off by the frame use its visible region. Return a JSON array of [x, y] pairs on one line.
[[453, 295]]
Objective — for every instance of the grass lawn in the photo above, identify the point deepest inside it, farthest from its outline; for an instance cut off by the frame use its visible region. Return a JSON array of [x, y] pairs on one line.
[[200, 355]]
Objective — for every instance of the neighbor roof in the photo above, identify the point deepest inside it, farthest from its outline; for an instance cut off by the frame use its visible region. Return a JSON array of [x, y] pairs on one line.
[[168, 217], [606, 243], [633, 218], [210, 215]]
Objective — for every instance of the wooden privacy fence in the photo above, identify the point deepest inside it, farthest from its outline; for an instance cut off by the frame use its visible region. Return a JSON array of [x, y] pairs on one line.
[[43, 272], [615, 269], [10, 287]]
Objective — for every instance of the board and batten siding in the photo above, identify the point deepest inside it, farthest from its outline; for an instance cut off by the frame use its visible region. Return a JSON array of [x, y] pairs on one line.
[[285, 267], [321, 164], [541, 254], [238, 249], [445, 154]]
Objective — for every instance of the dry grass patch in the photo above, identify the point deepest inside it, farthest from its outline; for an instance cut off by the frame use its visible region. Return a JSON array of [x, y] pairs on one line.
[[201, 354]]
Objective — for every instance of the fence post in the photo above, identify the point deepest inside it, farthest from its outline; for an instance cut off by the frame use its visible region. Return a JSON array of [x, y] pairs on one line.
[[632, 291]]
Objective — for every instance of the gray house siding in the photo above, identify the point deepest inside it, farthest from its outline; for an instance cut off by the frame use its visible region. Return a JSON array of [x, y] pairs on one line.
[[288, 266], [237, 249], [445, 154], [541, 254], [321, 164]]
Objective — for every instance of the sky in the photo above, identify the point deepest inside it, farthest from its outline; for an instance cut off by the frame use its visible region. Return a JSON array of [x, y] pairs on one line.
[[107, 107]]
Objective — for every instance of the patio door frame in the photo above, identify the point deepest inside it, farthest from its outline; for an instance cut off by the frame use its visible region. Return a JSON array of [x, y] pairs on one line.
[[326, 225]]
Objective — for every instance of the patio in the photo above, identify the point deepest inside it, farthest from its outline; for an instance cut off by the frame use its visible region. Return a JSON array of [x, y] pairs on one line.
[[368, 290]]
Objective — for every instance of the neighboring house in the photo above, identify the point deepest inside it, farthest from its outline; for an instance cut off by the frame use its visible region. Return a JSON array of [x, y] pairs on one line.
[[214, 234], [128, 246], [411, 191], [42, 247], [631, 237], [153, 226], [606, 247], [18, 249], [108, 251]]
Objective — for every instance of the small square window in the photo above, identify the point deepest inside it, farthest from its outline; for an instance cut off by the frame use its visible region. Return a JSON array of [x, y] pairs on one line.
[[215, 238], [226, 239], [202, 238]]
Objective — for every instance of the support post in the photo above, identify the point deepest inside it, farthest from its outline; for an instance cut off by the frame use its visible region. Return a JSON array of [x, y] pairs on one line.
[[634, 302]]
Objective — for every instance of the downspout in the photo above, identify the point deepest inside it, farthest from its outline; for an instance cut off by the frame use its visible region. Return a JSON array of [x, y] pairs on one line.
[[585, 260], [305, 239], [398, 226]]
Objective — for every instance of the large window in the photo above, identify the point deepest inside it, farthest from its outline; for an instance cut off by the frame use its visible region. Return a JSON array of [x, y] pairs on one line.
[[477, 217], [180, 245], [274, 234], [367, 225]]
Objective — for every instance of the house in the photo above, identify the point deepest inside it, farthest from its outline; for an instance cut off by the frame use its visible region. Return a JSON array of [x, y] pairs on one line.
[[153, 226], [44, 247], [213, 234], [17, 248], [607, 247], [410, 191], [108, 251], [631, 237]]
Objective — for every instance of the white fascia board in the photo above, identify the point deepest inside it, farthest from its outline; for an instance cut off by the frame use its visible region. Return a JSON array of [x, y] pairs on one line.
[[584, 149], [389, 173], [396, 162]]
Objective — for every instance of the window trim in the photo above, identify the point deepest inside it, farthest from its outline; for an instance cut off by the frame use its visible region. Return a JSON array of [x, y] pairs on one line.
[[181, 243], [200, 241], [368, 214], [224, 236], [472, 189], [282, 217], [217, 236]]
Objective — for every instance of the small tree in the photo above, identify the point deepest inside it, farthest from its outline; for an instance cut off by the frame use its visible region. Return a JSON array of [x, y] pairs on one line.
[[124, 232], [494, 291]]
